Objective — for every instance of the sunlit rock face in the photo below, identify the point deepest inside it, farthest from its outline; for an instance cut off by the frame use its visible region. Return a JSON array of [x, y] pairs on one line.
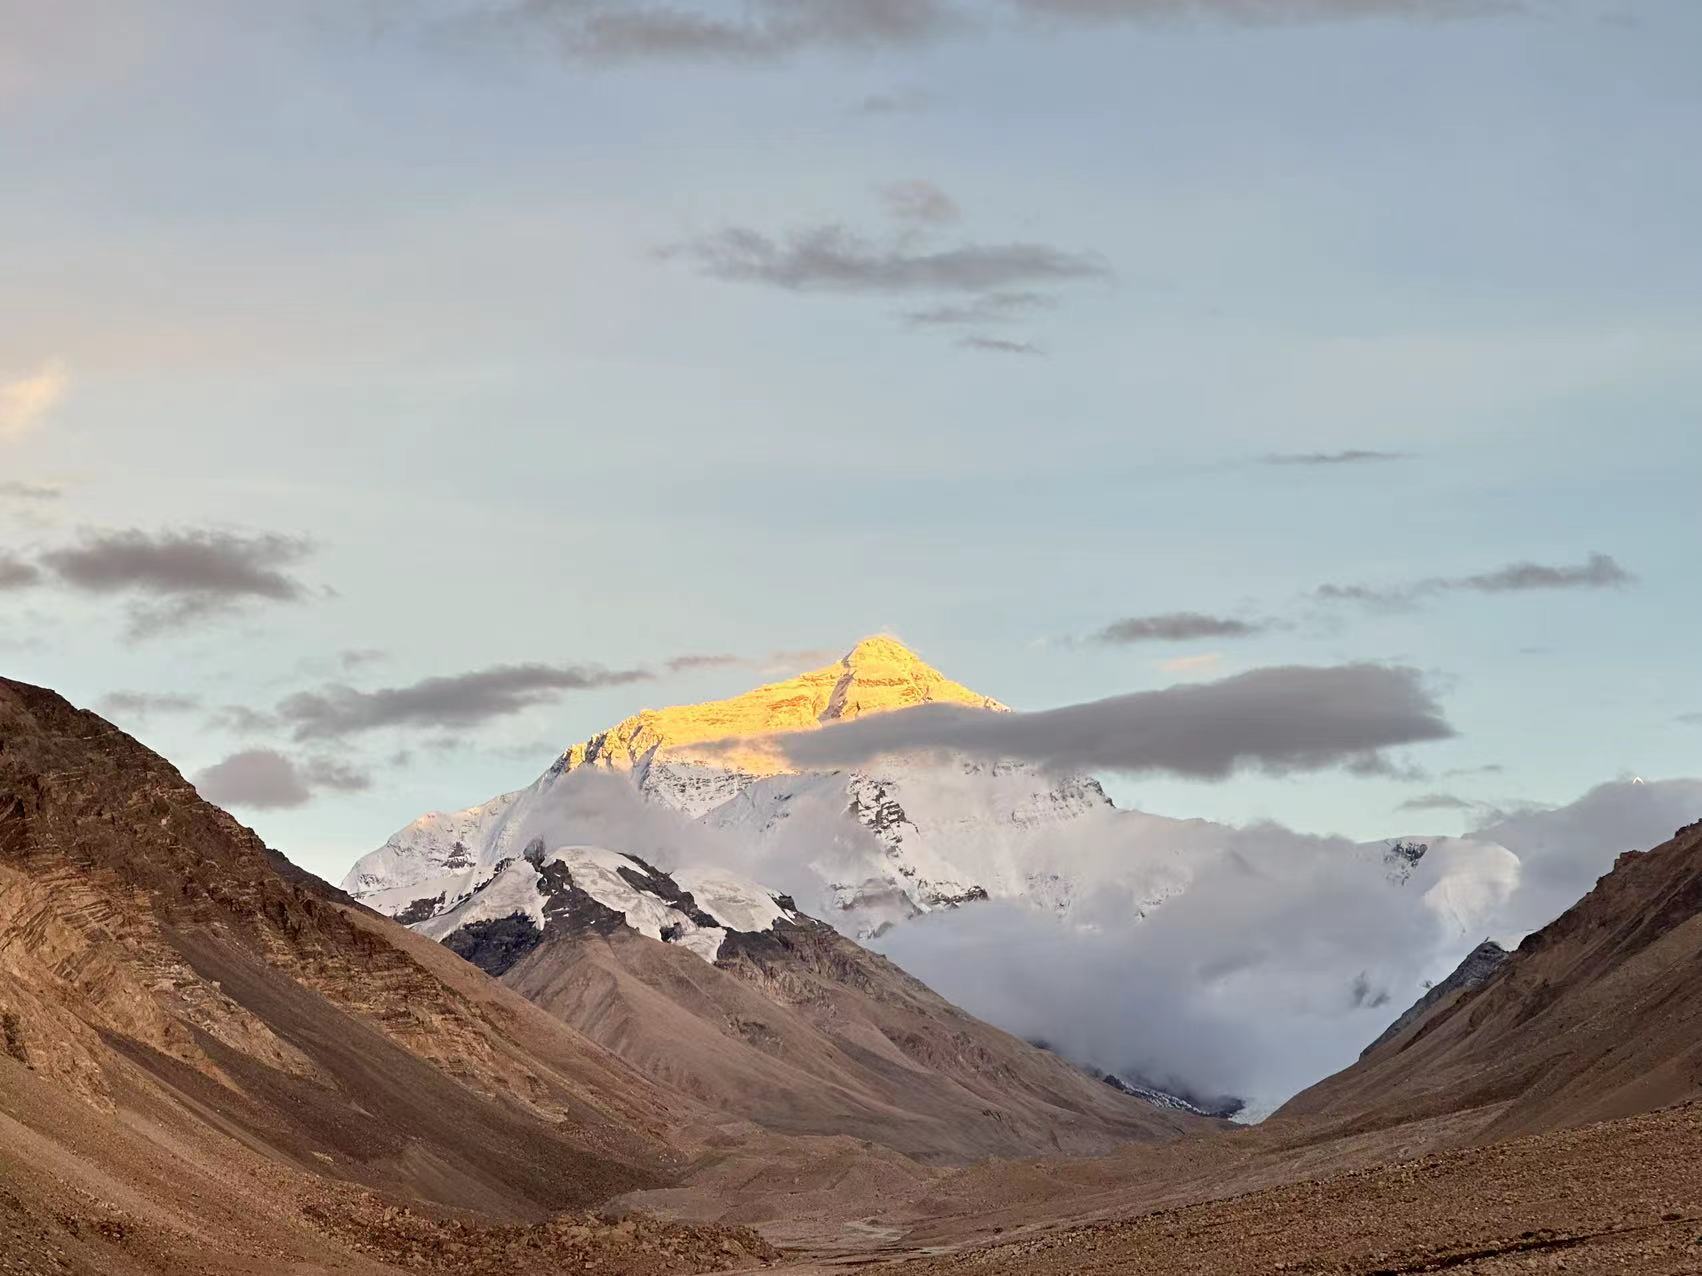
[[878, 675]]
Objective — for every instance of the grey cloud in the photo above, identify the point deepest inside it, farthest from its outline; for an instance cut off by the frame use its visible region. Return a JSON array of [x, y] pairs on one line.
[[920, 201], [605, 32], [14, 490], [1352, 456], [897, 102], [1279, 720], [1488, 768], [177, 577], [263, 779], [1253, 12], [328, 773], [832, 259], [762, 30], [1176, 626], [999, 345], [1400, 596], [142, 704], [15, 573], [965, 284], [1436, 802], [360, 657], [459, 700], [1690, 719], [706, 660], [1599, 571], [993, 307], [241, 720]]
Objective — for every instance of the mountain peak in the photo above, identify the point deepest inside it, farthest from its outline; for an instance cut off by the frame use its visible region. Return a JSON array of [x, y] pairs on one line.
[[880, 674], [877, 675], [880, 648]]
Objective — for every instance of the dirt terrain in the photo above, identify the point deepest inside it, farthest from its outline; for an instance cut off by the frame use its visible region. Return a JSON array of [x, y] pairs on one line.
[[1622, 1195]]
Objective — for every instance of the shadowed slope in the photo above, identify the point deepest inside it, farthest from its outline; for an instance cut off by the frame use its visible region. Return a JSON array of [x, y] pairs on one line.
[[156, 959]]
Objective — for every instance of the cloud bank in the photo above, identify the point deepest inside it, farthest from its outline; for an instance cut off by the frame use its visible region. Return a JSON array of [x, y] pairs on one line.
[[1285, 954], [1278, 720]]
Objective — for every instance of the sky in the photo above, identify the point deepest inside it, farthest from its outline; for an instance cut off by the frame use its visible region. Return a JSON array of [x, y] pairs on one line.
[[394, 394]]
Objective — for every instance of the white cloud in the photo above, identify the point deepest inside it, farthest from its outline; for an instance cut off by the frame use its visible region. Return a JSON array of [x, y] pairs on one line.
[[26, 400]]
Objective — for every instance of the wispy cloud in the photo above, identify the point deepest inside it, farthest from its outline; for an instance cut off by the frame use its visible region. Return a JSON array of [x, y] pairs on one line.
[[1352, 456], [905, 101], [1278, 720], [989, 308], [176, 577], [919, 201], [613, 32], [263, 780], [456, 700], [1599, 571], [17, 490], [693, 661], [26, 401], [1488, 768], [833, 259], [607, 31], [1257, 12], [1436, 802], [999, 345], [965, 284], [1175, 626], [144, 704]]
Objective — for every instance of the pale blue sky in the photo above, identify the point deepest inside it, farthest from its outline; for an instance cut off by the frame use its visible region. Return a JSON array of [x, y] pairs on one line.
[[398, 285]]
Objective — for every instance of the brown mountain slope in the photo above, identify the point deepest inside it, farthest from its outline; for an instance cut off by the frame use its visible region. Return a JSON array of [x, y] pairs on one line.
[[1597, 1015], [198, 1042], [804, 1032]]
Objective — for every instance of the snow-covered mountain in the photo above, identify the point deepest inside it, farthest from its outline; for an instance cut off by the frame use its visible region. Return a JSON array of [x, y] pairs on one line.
[[868, 848], [581, 889]]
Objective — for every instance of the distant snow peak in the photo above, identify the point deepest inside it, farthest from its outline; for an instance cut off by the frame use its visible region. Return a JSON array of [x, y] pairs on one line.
[[1402, 858]]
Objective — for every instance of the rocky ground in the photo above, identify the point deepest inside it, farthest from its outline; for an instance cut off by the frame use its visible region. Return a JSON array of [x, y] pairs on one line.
[[634, 1245], [1618, 1196]]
